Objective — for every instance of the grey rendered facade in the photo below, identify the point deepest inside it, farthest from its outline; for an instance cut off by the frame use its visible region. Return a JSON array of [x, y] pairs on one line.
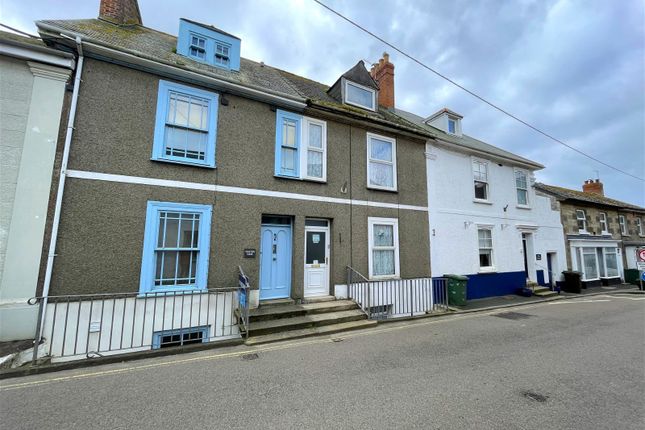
[[101, 230]]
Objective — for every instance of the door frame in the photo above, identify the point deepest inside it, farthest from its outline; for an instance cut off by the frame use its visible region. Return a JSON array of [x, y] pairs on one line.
[[290, 261], [327, 231]]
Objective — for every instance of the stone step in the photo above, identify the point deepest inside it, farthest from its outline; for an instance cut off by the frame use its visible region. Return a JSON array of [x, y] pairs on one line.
[[547, 293], [541, 290], [264, 313], [305, 321], [311, 331], [318, 299], [277, 302]]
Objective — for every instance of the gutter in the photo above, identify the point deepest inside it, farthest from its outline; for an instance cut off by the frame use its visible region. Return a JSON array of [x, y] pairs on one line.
[[132, 58], [59, 196]]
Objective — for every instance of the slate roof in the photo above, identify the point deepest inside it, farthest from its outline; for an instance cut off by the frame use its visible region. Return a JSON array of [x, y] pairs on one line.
[[580, 196], [466, 141], [30, 42], [157, 46]]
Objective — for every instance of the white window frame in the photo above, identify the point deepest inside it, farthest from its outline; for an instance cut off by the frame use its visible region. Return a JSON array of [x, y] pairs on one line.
[[369, 137], [583, 219], [605, 252], [394, 222], [590, 251], [623, 225], [639, 226], [487, 182], [454, 121], [306, 123], [528, 197], [490, 268], [362, 87], [603, 223]]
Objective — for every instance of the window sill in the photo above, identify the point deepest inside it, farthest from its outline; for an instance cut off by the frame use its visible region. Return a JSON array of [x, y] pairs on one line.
[[184, 163], [297, 178], [523, 207], [485, 270], [385, 278], [389, 190], [483, 202], [165, 292], [584, 232]]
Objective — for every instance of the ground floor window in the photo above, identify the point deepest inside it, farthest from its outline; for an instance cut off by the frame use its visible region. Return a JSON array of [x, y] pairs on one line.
[[383, 247], [597, 262], [485, 239], [176, 246]]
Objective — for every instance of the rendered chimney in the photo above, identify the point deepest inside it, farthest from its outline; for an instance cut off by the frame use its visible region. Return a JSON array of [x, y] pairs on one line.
[[121, 12], [594, 187], [383, 73]]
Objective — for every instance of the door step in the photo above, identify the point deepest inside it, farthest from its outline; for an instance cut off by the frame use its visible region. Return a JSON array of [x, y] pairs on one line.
[[312, 320], [544, 292], [292, 310], [276, 302], [310, 331], [318, 299]]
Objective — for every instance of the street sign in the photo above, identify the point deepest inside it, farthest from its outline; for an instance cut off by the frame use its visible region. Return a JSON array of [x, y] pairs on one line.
[[640, 254], [642, 276], [640, 265]]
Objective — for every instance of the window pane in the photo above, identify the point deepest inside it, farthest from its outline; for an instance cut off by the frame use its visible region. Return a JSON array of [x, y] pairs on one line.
[[315, 135], [383, 262], [383, 235], [480, 190], [289, 133], [381, 174], [288, 160], [316, 246], [314, 164], [522, 198], [485, 258], [612, 262], [480, 171], [485, 238], [451, 126], [520, 180], [359, 96], [380, 149], [180, 142], [589, 262]]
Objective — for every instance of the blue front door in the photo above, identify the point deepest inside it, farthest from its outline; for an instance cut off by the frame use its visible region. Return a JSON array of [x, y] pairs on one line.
[[275, 262]]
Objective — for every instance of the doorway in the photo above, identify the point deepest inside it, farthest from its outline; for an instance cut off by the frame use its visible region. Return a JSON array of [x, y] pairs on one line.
[[275, 258], [317, 250]]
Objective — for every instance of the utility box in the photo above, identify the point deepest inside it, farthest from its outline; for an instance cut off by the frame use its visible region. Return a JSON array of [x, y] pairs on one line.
[[457, 289], [572, 281]]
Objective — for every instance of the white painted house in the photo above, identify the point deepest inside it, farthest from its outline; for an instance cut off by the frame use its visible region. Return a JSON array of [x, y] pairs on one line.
[[32, 88], [486, 220]]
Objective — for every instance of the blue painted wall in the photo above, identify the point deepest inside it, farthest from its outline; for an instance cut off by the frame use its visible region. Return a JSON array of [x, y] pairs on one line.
[[482, 285]]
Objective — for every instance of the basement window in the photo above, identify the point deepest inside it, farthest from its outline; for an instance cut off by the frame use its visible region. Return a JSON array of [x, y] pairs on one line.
[[181, 337]]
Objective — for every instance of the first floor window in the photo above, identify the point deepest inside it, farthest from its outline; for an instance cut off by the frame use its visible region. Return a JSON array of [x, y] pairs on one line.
[[603, 222], [480, 176], [185, 130], [383, 247], [381, 162], [176, 246], [522, 188], [581, 218], [639, 226], [485, 238], [622, 224], [301, 147]]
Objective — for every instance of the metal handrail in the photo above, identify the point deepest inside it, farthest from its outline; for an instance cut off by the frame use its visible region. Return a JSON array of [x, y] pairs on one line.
[[243, 296]]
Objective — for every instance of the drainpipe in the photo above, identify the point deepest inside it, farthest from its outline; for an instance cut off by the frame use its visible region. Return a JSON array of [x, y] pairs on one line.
[[59, 194]]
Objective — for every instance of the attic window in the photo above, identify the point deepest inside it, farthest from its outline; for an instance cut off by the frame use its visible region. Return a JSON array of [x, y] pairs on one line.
[[452, 125], [222, 54], [197, 47], [360, 96]]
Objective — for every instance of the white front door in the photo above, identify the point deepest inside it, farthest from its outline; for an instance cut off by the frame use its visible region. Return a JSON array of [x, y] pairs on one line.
[[316, 258]]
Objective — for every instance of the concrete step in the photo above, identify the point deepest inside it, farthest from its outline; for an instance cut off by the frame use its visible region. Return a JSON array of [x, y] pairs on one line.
[[264, 313], [318, 299], [311, 331], [540, 290], [277, 302], [305, 321], [546, 293]]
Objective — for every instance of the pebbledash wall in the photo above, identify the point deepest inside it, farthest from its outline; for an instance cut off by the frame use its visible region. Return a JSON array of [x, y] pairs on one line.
[[455, 218], [112, 178]]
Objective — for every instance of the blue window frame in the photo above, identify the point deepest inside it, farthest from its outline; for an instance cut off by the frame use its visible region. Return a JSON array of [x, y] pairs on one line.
[[186, 125], [179, 337], [222, 54], [197, 47], [287, 147], [175, 247]]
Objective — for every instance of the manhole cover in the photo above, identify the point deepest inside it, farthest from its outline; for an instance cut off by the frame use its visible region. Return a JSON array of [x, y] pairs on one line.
[[535, 396], [248, 357], [513, 316]]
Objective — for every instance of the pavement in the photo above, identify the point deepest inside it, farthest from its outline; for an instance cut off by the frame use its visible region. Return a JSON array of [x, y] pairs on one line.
[[575, 364]]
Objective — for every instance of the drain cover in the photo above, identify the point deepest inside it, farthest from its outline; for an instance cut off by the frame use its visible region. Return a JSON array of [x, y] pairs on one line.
[[513, 316], [249, 357], [535, 396]]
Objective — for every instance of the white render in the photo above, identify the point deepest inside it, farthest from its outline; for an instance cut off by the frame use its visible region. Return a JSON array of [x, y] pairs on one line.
[[455, 215], [31, 99]]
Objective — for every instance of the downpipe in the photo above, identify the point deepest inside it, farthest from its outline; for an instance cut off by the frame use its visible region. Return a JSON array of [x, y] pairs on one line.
[[59, 198]]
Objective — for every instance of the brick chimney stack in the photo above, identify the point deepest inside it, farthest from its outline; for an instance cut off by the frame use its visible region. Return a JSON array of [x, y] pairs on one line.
[[594, 187], [121, 12], [383, 73]]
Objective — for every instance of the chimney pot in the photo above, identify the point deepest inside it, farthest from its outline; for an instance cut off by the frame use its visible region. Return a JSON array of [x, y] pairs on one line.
[[594, 187]]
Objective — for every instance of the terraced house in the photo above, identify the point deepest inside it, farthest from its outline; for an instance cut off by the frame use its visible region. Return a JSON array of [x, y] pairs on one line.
[[189, 163], [602, 234]]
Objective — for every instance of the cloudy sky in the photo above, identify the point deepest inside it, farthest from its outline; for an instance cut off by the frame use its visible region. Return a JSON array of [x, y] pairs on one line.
[[575, 69]]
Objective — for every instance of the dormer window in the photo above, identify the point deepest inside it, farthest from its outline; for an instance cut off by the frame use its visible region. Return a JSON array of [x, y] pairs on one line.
[[446, 120], [197, 47], [359, 95], [208, 44], [452, 125]]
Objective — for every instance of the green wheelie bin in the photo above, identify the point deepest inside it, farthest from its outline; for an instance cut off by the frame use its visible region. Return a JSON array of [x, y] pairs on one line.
[[457, 289]]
